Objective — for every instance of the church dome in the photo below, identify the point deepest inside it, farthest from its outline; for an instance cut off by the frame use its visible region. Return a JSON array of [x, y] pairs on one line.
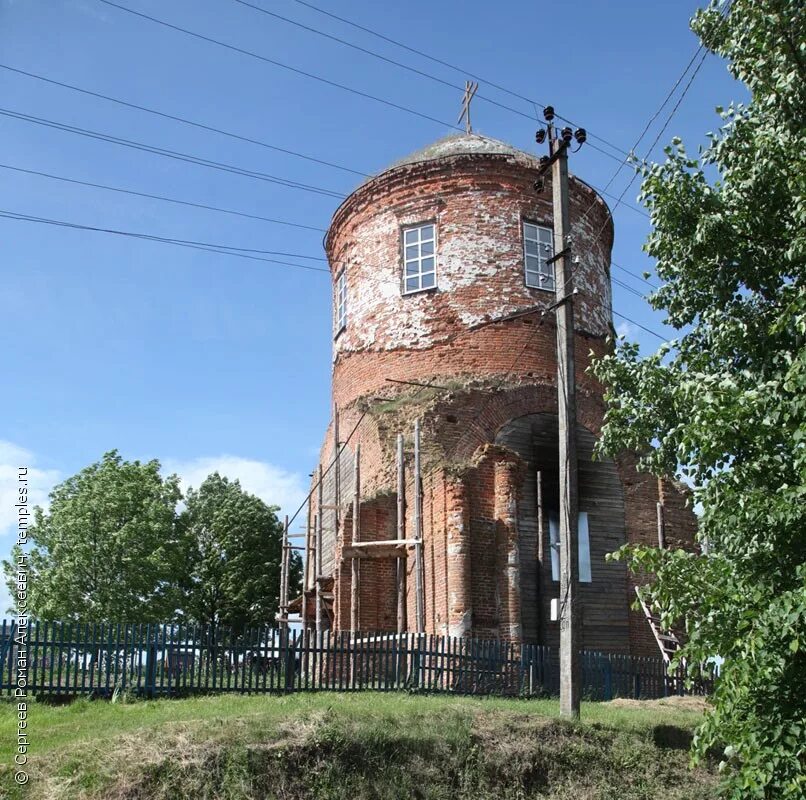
[[465, 144]]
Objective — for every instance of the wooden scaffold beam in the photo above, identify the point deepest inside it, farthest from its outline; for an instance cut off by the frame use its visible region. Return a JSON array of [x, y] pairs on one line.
[[389, 548], [418, 534], [355, 572], [317, 572], [401, 534], [336, 466], [283, 616]]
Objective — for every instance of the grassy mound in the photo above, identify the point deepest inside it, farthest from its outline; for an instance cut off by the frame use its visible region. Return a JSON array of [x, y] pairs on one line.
[[333, 746]]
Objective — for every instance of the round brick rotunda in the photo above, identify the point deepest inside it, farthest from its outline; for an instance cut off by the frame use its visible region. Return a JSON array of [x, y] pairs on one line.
[[442, 292]]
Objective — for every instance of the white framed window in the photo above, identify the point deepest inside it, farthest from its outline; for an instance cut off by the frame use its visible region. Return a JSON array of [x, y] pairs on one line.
[[341, 301], [538, 248], [419, 258], [583, 541]]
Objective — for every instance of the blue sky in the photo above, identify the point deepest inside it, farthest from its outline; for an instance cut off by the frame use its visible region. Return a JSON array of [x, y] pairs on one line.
[[207, 361]]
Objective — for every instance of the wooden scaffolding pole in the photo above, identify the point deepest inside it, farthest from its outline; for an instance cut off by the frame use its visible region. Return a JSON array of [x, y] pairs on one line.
[[401, 534], [284, 577], [317, 572], [356, 564], [541, 547], [337, 618], [307, 569], [418, 534]]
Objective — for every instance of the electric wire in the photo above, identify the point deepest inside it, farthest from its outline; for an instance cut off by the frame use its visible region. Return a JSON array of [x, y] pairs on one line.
[[666, 124], [280, 64], [222, 249], [642, 278], [443, 63], [392, 61], [203, 206], [247, 253], [631, 155], [202, 126], [173, 154], [304, 73], [163, 198]]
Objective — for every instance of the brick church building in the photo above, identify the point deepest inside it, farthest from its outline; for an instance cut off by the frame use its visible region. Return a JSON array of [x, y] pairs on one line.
[[441, 267]]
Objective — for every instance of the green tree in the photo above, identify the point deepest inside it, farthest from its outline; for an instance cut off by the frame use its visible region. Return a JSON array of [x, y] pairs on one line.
[[233, 546], [107, 548], [725, 403]]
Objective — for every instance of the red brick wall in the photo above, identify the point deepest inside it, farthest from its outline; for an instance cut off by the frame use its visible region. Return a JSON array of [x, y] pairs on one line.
[[494, 373]]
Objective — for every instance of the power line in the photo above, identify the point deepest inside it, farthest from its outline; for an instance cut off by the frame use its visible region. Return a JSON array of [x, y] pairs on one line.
[[280, 64], [186, 157], [183, 120], [668, 120], [661, 131], [630, 155], [231, 212], [655, 115], [234, 212], [191, 158], [627, 287], [392, 61], [240, 252], [222, 249], [639, 325], [203, 206], [245, 252], [302, 72], [163, 198], [643, 278], [466, 73]]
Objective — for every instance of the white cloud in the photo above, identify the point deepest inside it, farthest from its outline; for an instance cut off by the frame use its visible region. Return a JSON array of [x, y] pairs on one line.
[[625, 330], [40, 482], [272, 484]]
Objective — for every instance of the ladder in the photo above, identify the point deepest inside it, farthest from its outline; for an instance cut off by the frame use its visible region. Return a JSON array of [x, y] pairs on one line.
[[667, 641]]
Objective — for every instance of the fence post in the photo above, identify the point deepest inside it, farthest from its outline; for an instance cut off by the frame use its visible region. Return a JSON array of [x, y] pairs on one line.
[[608, 679], [151, 664], [289, 657], [636, 690]]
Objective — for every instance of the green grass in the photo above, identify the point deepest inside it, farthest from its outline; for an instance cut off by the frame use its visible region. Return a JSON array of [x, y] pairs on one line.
[[367, 745]]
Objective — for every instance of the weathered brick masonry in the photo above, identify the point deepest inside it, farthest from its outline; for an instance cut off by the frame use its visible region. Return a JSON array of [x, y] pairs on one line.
[[489, 425]]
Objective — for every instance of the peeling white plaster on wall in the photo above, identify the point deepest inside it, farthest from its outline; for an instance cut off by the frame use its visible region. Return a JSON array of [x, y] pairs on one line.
[[381, 317]]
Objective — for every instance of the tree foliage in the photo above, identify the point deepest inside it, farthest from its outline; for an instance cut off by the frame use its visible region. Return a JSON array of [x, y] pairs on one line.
[[725, 403], [233, 551], [107, 549]]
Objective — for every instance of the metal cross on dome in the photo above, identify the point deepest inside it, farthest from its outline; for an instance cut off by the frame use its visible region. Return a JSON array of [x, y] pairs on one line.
[[470, 91]]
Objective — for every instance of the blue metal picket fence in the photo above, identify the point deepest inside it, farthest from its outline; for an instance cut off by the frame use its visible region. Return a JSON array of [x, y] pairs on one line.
[[67, 658]]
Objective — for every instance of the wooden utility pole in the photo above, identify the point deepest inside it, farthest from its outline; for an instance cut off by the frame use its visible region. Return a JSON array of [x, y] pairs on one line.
[[401, 534], [355, 564], [418, 534], [284, 577], [566, 412]]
